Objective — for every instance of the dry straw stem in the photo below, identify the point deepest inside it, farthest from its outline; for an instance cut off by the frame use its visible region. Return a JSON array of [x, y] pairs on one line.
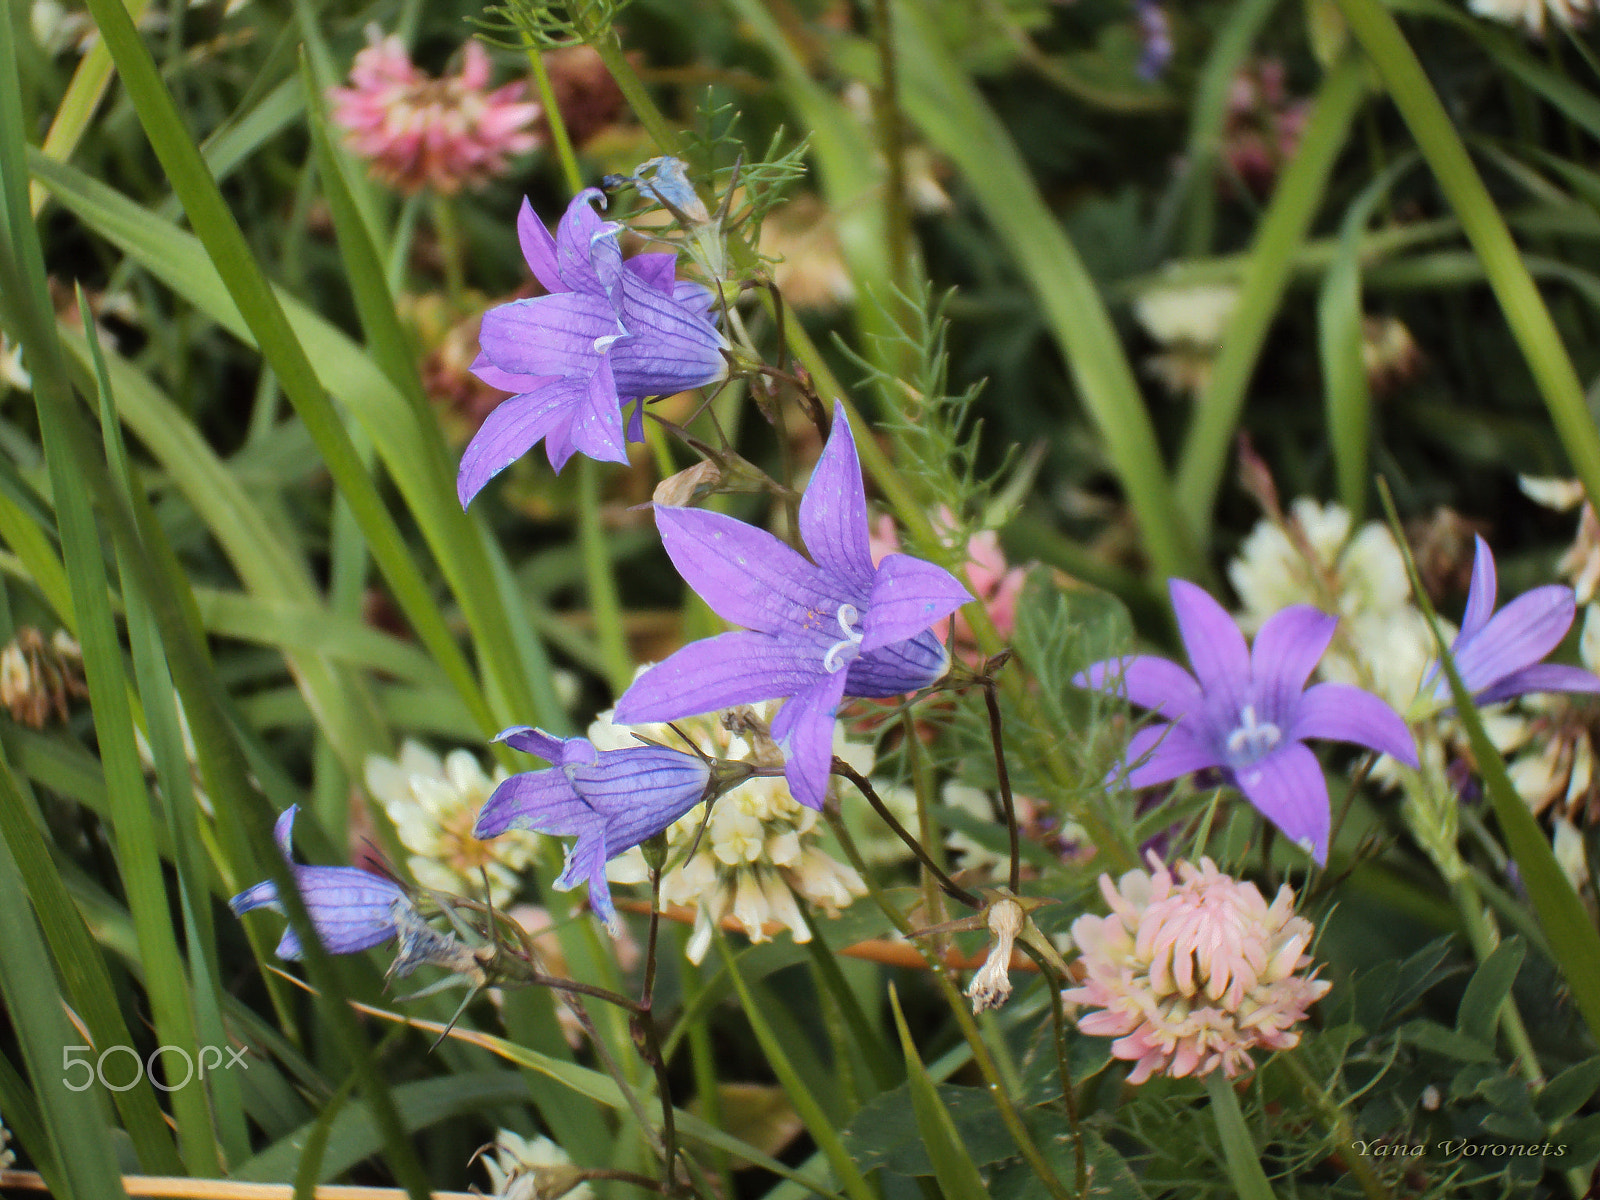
[[226, 1189]]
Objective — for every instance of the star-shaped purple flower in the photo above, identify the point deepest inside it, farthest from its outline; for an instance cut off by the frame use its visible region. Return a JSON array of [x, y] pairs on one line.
[[817, 629], [1248, 711], [1499, 653], [351, 909], [610, 800], [608, 332]]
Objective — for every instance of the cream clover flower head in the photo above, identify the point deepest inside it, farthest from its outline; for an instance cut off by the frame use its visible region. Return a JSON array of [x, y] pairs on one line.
[[1580, 565], [531, 1169], [1531, 14], [1191, 974], [1382, 642], [760, 847], [434, 803]]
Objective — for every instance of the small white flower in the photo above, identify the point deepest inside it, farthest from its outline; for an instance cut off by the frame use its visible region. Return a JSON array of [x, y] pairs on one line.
[[1192, 315], [434, 804], [8, 1157], [532, 1169]]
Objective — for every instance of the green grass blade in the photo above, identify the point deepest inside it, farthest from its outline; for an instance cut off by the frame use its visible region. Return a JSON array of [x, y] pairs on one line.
[[76, 1135], [1238, 1148], [816, 1121], [164, 732], [953, 1166], [1295, 201], [1525, 312], [83, 971]]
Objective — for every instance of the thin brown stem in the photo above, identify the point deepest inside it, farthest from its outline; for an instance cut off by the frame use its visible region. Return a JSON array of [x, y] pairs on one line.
[[947, 885], [1003, 779]]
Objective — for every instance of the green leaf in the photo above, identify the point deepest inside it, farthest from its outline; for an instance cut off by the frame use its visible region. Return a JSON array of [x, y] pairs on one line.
[[1569, 1091], [952, 1162], [879, 1137], [1479, 1014], [1433, 1037], [1238, 1148]]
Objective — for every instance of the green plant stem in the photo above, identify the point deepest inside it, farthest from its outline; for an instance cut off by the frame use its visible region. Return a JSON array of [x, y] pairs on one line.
[[451, 252], [1333, 1116], [1525, 312], [556, 120], [604, 602]]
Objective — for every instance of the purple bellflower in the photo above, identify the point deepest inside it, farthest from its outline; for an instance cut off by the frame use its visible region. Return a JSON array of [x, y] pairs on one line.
[[1155, 36], [608, 332], [351, 909], [610, 800], [816, 630], [1248, 712], [1499, 653]]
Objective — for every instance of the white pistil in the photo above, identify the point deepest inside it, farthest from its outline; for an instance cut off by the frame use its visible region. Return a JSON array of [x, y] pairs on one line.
[[1252, 740], [846, 648]]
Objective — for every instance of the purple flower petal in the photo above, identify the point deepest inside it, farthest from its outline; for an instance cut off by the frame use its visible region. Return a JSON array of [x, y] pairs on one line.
[[535, 742], [508, 381], [656, 269], [283, 831], [1217, 649], [1158, 684], [1541, 677], [1161, 753], [513, 429], [908, 595], [262, 895], [898, 668], [640, 790], [1288, 788], [352, 910], [1517, 636], [541, 801], [670, 347], [587, 250], [1481, 595], [586, 863], [751, 578], [1341, 713], [833, 513], [805, 726], [1286, 651], [719, 672], [539, 248], [596, 428], [560, 334], [694, 297]]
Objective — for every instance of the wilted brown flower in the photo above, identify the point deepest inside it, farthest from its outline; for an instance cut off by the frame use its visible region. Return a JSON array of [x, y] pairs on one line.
[[37, 678]]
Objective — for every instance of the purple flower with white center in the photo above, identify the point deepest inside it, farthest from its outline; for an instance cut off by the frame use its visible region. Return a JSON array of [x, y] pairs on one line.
[[1248, 712], [351, 909], [816, 630], [608, 332], [610, 800], [1498, 653]]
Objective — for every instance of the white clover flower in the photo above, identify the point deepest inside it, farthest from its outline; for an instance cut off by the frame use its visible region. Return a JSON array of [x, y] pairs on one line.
[[8, 1156], [1530, 14], [531, 1169], [1194, 315], [1382, 642], [758, 848], [434, 804]]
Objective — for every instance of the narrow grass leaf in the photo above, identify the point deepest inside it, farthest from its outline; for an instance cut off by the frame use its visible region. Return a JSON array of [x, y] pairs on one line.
[[952, 1163], [1296, 199]]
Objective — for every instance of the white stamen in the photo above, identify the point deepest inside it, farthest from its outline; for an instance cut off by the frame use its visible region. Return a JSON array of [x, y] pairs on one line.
[[836, 658], [1252, 740]]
